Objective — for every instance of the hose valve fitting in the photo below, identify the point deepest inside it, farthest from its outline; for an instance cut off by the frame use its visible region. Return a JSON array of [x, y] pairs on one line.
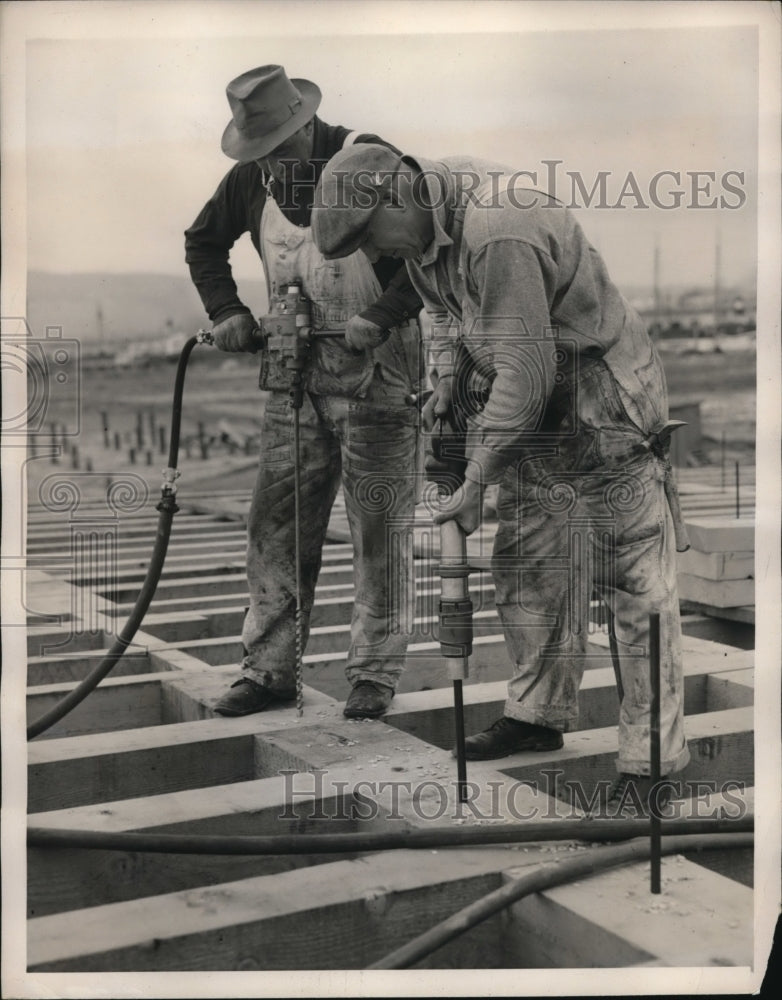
[[170, 477]]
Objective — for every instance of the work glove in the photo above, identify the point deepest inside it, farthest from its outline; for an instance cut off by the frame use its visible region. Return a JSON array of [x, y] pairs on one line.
[[465, 507], [438, 403], [237, 333], [362, 334]]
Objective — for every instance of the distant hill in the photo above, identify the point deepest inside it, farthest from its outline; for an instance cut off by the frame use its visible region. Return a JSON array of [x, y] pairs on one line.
[[121, 307]]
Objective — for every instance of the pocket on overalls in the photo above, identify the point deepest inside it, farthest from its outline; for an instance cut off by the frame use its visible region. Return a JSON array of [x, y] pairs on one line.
[[631, 566], [277, 431], [609, 437], [382, 438], [630, 503]]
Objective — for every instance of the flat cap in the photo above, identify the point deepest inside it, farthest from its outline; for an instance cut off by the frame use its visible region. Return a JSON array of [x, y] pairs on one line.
[[351, 187]]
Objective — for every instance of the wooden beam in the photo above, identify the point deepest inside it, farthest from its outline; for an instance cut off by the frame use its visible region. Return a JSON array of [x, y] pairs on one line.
[[730, 689], [721, 747], [721, 534], [117, 703], [74, 878], [701, 919], [257, 921], [745, 614], [717, 565], [429, 714], [716, 593]]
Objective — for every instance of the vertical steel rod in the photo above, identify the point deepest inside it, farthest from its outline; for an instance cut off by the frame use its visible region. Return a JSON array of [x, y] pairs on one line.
[[654, 733], [297, 546], [738, 505], [461, 761], [722, 462]]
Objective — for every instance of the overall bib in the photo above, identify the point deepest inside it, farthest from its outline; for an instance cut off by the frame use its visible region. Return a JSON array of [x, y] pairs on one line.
[[355, 430]]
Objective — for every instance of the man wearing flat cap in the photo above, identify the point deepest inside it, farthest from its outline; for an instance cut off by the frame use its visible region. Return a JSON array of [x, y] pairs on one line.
[[357, 426], [573, 432]]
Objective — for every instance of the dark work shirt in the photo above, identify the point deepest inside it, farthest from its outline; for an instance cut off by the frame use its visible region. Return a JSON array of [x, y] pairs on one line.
[[235, 208]]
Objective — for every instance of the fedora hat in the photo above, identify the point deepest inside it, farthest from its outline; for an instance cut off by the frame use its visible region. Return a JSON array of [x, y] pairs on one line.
[[266, 108]]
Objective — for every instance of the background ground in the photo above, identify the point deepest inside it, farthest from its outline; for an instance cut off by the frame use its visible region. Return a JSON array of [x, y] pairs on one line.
[[221, 395]]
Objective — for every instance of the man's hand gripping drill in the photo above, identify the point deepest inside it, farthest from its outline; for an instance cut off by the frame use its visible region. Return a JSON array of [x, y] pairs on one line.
[[461, 499], [460, 510]]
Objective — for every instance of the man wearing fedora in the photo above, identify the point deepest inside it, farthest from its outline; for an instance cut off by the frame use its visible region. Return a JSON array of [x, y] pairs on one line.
[[357, 426], [572, 430]]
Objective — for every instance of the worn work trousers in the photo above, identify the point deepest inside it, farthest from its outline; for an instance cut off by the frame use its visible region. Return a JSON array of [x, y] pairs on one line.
[[369, 445], [590, 511]]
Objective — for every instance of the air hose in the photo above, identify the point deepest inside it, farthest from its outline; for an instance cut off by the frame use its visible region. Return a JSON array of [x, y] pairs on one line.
[[334, 843], [167, 507], [541, 879]]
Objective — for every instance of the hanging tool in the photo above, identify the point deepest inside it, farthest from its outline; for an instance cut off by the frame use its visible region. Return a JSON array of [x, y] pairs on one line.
[[659, 443]]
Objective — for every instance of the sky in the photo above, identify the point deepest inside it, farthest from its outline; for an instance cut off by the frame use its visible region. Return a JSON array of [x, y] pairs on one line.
[[123, 133]]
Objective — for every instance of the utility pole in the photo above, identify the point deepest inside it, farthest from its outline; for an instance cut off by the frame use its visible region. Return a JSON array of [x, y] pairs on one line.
[[717, 280], [99, 319], [656, 281]]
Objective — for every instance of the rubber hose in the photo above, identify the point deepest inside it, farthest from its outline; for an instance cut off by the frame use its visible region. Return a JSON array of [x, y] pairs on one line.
[[541, 879], [167, 508], [335, 843]]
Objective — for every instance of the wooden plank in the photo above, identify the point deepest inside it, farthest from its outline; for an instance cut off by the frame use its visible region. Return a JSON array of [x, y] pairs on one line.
[[117, 703], [425, 668], [717, 565], [191, 697], [731, 689], [43, 670], [137, 542], [745, 615], [115, 765], [740, 635], [118, 767], [398, 777], [701, 919], [335, 609], [201, 578], [46, 641], [429, 714], [718, 534], [67, 879], [344, 915], [721, 747], [611, 916], [717, 593]]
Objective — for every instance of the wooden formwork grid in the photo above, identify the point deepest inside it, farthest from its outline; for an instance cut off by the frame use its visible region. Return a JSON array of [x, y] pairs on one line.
[[145, 752]]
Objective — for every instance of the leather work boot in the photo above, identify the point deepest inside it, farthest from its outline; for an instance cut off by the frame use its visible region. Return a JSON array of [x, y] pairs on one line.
[[245, 697], [368, 700], [507, 736], [633, 796]]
